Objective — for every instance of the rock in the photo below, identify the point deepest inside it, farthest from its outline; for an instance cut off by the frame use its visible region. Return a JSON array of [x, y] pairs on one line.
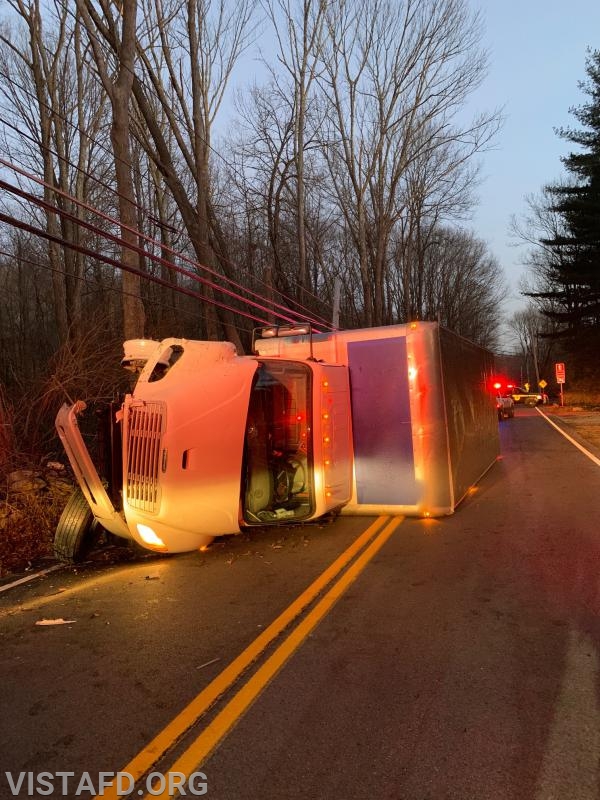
[[25, 480]]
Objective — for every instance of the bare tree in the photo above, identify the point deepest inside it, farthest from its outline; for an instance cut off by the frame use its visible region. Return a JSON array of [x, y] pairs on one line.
[[437, 188], [299, 30], [55, 100], [395, 76], [532, 330], [462, 287], [119, 91], [186, 50], [195, 46]]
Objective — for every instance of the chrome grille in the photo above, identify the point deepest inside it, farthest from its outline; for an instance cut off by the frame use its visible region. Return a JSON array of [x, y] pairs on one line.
[[145, 425]]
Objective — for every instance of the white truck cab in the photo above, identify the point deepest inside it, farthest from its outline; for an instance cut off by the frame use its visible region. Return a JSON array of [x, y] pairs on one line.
[[213, 441]]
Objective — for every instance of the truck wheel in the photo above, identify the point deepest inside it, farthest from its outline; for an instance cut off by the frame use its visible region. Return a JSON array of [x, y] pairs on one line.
[[76, 531], [531, 403]]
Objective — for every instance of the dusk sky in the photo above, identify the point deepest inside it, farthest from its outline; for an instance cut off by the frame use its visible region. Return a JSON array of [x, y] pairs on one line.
[[537, 52]]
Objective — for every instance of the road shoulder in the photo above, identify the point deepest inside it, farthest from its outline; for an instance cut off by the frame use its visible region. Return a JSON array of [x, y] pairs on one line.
[[581, 424]]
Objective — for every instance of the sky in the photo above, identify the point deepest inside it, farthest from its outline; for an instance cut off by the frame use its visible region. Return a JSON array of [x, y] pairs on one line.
[[537, 52]]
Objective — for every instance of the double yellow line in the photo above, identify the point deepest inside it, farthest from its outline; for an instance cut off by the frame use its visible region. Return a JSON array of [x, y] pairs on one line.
[[370, 543]]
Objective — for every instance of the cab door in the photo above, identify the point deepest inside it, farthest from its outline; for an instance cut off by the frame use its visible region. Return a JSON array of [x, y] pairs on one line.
[[297, 453]]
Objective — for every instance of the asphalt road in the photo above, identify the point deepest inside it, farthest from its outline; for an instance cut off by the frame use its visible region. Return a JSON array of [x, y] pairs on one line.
[[456, 659]]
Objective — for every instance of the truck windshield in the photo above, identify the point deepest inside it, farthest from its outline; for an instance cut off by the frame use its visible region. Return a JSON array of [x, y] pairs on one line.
[[278, 475]]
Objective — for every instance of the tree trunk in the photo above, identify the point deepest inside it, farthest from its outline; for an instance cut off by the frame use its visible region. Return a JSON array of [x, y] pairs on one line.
[[119, 92]]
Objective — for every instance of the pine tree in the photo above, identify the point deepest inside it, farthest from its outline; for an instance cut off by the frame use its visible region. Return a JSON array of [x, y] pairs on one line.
[[572, 275]]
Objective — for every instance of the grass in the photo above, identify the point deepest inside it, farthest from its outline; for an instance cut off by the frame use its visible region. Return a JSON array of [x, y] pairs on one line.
[[586, 399]]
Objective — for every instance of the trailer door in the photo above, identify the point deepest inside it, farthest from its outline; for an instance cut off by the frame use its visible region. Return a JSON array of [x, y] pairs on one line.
[[381, 422]]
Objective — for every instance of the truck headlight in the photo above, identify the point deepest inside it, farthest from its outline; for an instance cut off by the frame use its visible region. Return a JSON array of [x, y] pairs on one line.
[[149, 537]]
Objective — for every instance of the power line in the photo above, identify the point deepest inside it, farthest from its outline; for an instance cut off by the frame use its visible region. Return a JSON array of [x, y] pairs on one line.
[[313, 317], [115, 289], [14, 222], [147, 254]]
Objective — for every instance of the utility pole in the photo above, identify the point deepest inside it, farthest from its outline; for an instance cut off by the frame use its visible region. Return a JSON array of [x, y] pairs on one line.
[[337, 294]]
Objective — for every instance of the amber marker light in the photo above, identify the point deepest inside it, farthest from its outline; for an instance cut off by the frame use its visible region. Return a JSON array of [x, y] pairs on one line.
[[326, 439]]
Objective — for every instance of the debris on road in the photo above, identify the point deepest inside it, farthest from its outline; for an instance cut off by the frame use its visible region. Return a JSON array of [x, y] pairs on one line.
[[208, 663]]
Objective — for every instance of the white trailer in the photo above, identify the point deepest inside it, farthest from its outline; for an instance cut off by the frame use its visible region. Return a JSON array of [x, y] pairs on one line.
[[394, 420]]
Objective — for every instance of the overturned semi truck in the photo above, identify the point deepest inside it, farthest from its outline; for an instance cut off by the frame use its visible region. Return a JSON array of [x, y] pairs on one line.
[[388, 420]]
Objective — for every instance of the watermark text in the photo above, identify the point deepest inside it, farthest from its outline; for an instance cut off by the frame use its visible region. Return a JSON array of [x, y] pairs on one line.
[[68, 784]]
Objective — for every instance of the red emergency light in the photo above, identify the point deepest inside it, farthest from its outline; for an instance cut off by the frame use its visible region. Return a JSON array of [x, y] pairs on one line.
[[501, 384]]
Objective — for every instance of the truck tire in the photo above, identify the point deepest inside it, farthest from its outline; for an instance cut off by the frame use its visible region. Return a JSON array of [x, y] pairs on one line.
[[76, 531]]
